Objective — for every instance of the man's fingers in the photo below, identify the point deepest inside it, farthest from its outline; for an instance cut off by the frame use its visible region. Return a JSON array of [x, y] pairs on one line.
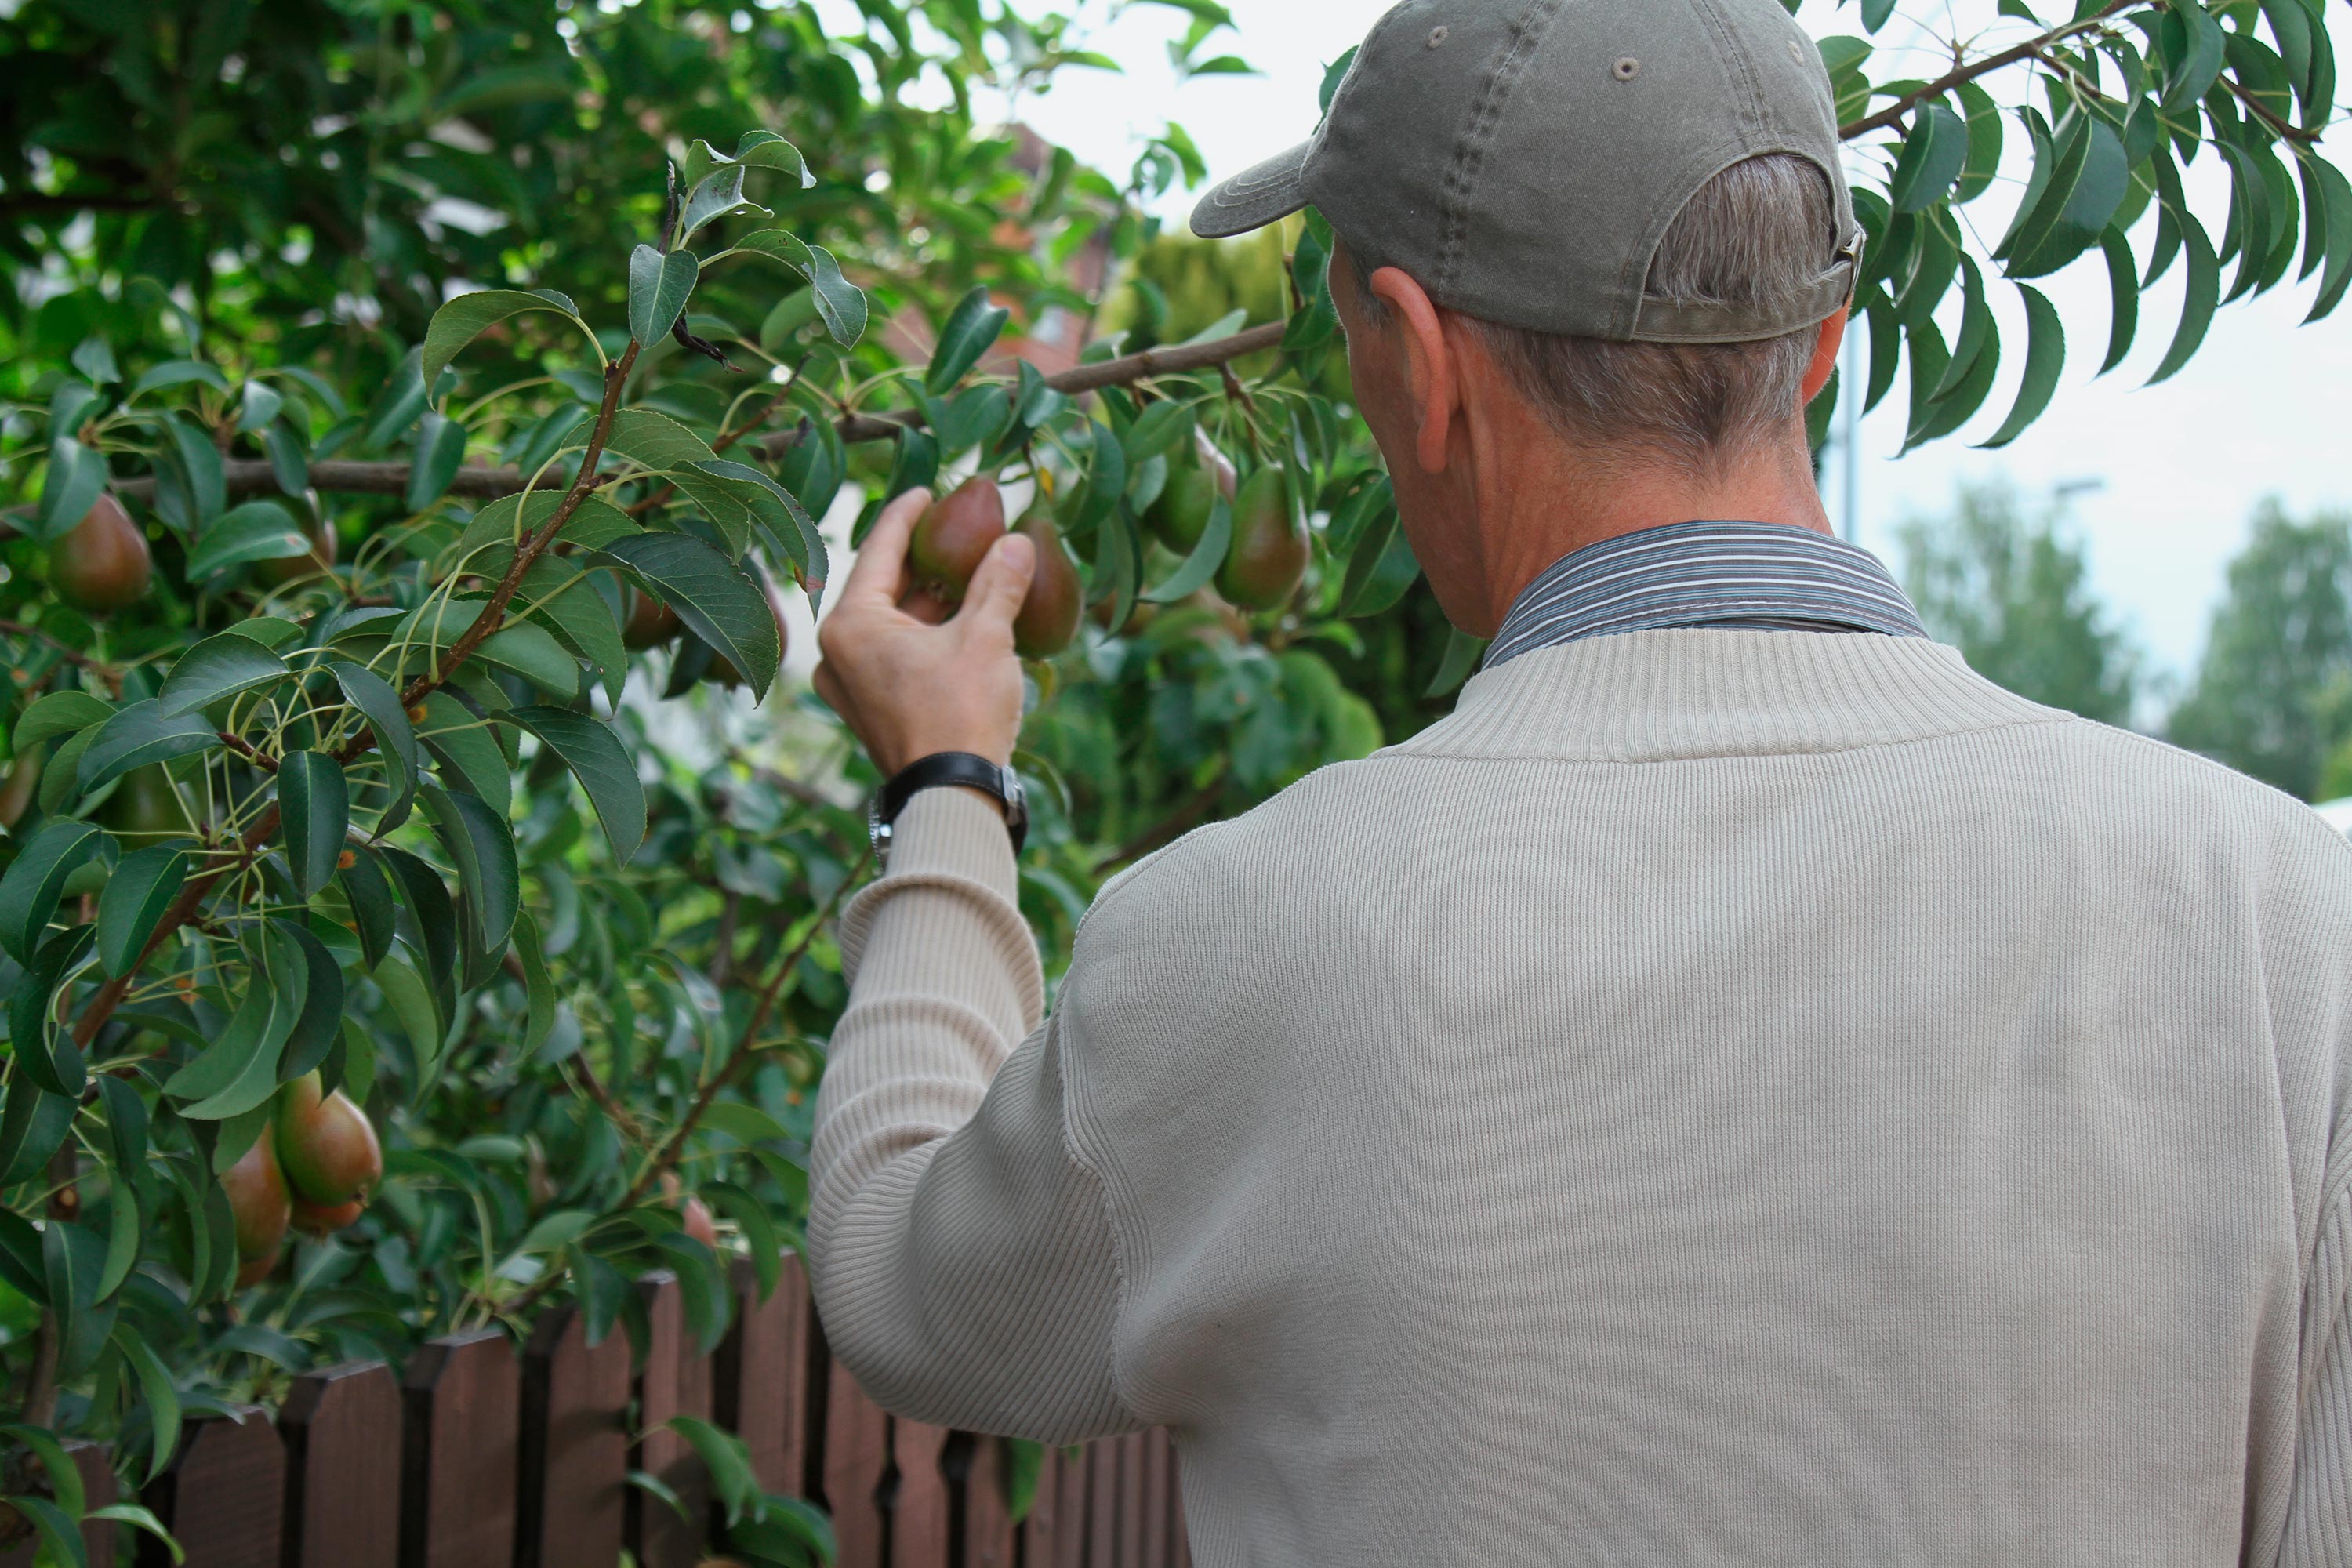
[[1000, 584], [880, 570]]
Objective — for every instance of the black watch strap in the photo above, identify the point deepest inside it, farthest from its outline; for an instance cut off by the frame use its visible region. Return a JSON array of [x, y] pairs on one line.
[[942, 770]]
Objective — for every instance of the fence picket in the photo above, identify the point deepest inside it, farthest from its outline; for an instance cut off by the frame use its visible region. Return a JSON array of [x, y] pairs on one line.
[[1159, 1459], [341, 1424], [224, 1496], [988, 1537], [92, 1461], [462, 1397], [856, 1458], [574, 1445], [1070, 1535], [674, 1381], [764, 1373], [921, 1519]]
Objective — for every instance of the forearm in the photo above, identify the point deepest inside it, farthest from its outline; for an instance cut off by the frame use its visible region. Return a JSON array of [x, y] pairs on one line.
[[962, 1261]]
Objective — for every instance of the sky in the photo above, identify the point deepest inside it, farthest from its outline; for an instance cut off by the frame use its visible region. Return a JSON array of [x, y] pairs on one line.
[[2160, 481]]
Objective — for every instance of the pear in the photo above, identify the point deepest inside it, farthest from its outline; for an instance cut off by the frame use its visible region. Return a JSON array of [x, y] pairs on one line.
[[1268, 558], [101, 563], [325, 1144], [1049, 615], [257, 1197], [1181, 515], [953, 535]]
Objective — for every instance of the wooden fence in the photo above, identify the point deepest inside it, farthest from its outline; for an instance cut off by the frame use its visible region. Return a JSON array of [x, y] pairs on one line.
[[480, 1457]]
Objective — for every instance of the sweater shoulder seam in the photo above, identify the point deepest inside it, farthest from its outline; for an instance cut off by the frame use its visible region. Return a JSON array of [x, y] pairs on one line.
[[1405, 750]]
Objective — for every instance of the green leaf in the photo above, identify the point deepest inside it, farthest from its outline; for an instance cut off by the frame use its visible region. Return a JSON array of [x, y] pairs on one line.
[[538, 987], [660, 287], [314, 1033], [315, 807], [759, 1228], [160, 1395], [712, 197], [411, 1004], [726, 1460], [65, 1478], [36, 879], [529, 651], [270, 631], [440, 451], [701, 1285], [58, 1532], [221, 666], [2204, 292], [603, 767], [840, 303], [257, 530], [73, 1258], [1874, 14], [786, 1530], [1463, 652], [2123, 287], [482, 844], [137, 735], [374, 914], [595, 524], [20, 1257], [1933, 156], [715, 599], [58, 713], [468, 754], [122, 1233], [2092, 177], [468, 316], [33, 1122], [138, 1518], [656, 440], [75, 476], [2335, 193], [240, 1071], [200, 465], [579, 617], [290, 459], [2045, 357], [132, 902], [1200, 565], [971, 330], [743, 1121], [1976, 331], [2195, 46], [176, 373], [396, 738]]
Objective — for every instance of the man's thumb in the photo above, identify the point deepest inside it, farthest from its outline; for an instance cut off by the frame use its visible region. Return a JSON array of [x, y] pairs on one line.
[[1002, 582]]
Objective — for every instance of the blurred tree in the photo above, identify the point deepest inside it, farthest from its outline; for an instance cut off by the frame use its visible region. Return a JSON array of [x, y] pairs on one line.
[[2271, 696], [2012, 593]]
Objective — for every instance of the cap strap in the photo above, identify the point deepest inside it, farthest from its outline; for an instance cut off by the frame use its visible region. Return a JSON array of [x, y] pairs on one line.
[[1665, 322]]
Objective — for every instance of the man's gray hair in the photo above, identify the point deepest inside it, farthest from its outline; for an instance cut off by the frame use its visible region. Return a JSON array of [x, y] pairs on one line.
[[1761, 232]]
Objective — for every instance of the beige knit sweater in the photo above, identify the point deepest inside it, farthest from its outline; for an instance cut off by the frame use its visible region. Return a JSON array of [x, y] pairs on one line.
[[1757, 1098]]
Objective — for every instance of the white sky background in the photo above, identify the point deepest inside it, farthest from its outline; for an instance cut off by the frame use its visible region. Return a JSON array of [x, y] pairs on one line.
[[2260, 411]]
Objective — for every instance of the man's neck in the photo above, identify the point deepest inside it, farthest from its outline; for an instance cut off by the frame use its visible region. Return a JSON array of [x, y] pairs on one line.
[[1538, 513]]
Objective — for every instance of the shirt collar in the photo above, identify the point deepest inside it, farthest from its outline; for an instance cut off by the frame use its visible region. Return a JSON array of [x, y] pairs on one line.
[[1759, 575]]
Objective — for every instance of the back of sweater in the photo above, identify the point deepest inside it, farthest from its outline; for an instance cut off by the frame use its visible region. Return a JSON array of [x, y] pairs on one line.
[[1721, 1097]]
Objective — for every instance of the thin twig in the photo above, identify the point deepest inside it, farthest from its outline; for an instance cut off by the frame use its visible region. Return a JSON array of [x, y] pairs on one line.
[[251, 475], [1167, 829], [100, 667], [1894, 112], [2285, 127]]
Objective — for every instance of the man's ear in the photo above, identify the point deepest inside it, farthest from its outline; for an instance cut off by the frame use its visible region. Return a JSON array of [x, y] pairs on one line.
[[1825, 356], [1434, 375]]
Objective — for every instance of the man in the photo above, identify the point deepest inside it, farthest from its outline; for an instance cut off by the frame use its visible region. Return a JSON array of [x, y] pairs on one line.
[[1743, 1090]]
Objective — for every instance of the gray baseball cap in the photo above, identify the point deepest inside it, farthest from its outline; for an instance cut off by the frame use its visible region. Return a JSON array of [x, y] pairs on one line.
[[1522, 159]]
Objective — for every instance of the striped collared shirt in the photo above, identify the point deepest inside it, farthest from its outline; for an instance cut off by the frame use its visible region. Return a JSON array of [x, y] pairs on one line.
[[1756, 577]]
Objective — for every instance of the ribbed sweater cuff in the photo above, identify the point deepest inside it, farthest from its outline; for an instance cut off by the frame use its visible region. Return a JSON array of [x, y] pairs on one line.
[[955, 833]]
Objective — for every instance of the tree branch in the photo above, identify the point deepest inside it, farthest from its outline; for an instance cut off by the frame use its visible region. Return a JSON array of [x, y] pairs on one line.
[[252, 476], [1961, 77], [100, 667]]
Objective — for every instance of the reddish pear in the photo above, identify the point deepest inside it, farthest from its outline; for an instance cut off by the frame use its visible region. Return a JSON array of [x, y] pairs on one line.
[[257, 1197], [101, 563], [1049, 615], [323, 1219], [1268, 558], [651, 623], [953, 536], [326, 1145]]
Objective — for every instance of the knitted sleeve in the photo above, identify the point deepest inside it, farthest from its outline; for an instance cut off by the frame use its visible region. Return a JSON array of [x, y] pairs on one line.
[[964, 1266]]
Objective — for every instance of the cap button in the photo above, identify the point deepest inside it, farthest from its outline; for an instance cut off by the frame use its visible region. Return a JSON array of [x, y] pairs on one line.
[[1626, 69], [1437, 37]]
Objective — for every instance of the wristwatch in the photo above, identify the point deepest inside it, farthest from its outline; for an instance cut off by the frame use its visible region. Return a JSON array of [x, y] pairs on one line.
[[940, 770]]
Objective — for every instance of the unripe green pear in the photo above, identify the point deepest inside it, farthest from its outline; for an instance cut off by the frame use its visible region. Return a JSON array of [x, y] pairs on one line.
[[1268, 558], [953, 536], [1182, 513], [319, 530], [101, 563], [325, 1144], [257, 1197], [1049, 615]]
